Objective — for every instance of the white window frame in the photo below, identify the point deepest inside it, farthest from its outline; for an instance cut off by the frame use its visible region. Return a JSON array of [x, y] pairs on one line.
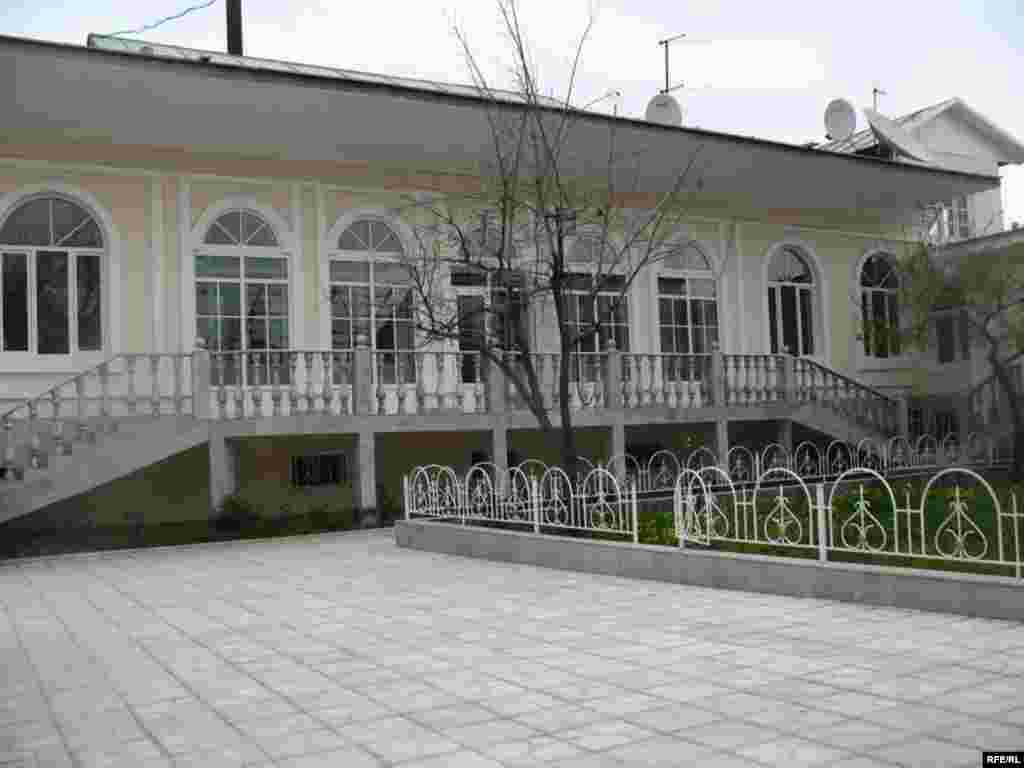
[[773, 293], [960, 343], [891, 295], [370, 258], [688, 275], [31, 255], [240, 252]]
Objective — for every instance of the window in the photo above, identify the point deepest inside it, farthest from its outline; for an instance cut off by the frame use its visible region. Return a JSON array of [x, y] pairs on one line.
[[915, 421], [585, 307], [371, 294], [51, 252], [242, 298], [790, 303], [950, 220], [952, 336], [489, 306], [879, 307], [687, 309], [319, 469]]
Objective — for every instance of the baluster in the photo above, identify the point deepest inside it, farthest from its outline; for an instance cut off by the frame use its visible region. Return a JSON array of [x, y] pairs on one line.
[[421, 383], [255, 391], [478, 390], [307, 363], [669, 371], [218, 363], [105, 395], [327, 392], [462, 387], [550, 386], [58, 426], [643, 380], [381, 392], [154, 371], [130, 367], [35, 454], [575, 403], [240, 387], [83, 430], [275, 385], [177, 364], [293, 391], [8, 457], [745, 364]]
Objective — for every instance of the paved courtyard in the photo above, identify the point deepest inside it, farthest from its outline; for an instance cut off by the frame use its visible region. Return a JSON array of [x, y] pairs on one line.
[[343, 650]]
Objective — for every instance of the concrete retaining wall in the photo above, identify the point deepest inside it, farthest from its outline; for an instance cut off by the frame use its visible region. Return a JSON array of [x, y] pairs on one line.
[[983, 596]]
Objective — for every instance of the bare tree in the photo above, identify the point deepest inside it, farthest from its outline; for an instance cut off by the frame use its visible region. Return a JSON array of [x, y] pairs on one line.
[[536, 194]]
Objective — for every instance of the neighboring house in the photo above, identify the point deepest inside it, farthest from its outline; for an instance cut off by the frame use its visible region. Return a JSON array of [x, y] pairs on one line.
[[152, 195], [967, 225]]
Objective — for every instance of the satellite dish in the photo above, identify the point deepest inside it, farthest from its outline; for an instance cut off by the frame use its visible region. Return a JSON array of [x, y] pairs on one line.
[[664, 110], [840, 120], [896, 138]]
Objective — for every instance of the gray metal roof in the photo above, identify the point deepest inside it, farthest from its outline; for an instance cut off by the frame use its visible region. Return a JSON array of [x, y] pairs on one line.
[[164, 51]]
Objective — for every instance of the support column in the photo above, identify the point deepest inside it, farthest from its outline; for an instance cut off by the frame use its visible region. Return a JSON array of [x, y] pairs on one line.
[[786, 436], [365, 485], [722, 443], [223, 468], [619, 445], [499, 452]]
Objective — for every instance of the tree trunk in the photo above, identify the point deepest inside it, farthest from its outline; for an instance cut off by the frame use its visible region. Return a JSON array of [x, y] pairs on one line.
[[569, 455], [1005, 380]]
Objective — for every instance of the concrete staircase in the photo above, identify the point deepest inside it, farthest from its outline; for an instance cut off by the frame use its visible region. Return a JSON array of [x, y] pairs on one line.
[[77, 466]]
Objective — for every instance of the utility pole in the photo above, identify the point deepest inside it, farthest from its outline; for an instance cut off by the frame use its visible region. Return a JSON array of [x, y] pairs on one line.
[[234, 12]]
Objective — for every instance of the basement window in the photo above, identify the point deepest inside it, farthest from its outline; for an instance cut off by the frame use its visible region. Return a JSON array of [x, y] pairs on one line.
[[319, 469]]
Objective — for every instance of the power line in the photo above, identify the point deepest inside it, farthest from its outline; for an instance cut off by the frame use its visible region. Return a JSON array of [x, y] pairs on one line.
[[156, 24]]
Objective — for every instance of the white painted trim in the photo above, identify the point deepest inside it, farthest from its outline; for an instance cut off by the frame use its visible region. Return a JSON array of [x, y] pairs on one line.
[[110, 170], [187, 270], [110, 269], [296, 272], [323, 272], [386, 215], [193, 240], [862, 362], [820, 293], [156, 253]]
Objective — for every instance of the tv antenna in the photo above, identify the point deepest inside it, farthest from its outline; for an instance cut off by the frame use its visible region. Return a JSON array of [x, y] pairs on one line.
[[875, 93], [668, 88]]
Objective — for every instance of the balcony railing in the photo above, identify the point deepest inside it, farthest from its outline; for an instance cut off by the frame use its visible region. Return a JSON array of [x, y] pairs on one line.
[[363, 382]]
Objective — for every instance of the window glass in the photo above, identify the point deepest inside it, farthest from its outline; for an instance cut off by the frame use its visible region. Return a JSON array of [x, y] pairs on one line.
[[29, 224], [52, 303], [14, 281], [89, 305], [266, 268], [350, 271], [217, 266], [788, 266]]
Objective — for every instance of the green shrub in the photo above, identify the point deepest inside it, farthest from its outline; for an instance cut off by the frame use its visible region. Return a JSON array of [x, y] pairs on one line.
[[235, 514]]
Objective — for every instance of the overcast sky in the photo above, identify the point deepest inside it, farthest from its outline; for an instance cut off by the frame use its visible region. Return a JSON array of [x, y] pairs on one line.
[[753, 68]]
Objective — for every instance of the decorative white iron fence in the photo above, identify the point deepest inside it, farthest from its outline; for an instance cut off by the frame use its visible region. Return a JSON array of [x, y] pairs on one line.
[[956, 516], [596, 502], [951, 515]]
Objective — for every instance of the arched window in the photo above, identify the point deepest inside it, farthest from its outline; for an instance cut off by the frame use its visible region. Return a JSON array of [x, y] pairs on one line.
[[371, 294], [242, 297], [687, 309], [790, 303], [51, 276], [879, 307]]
